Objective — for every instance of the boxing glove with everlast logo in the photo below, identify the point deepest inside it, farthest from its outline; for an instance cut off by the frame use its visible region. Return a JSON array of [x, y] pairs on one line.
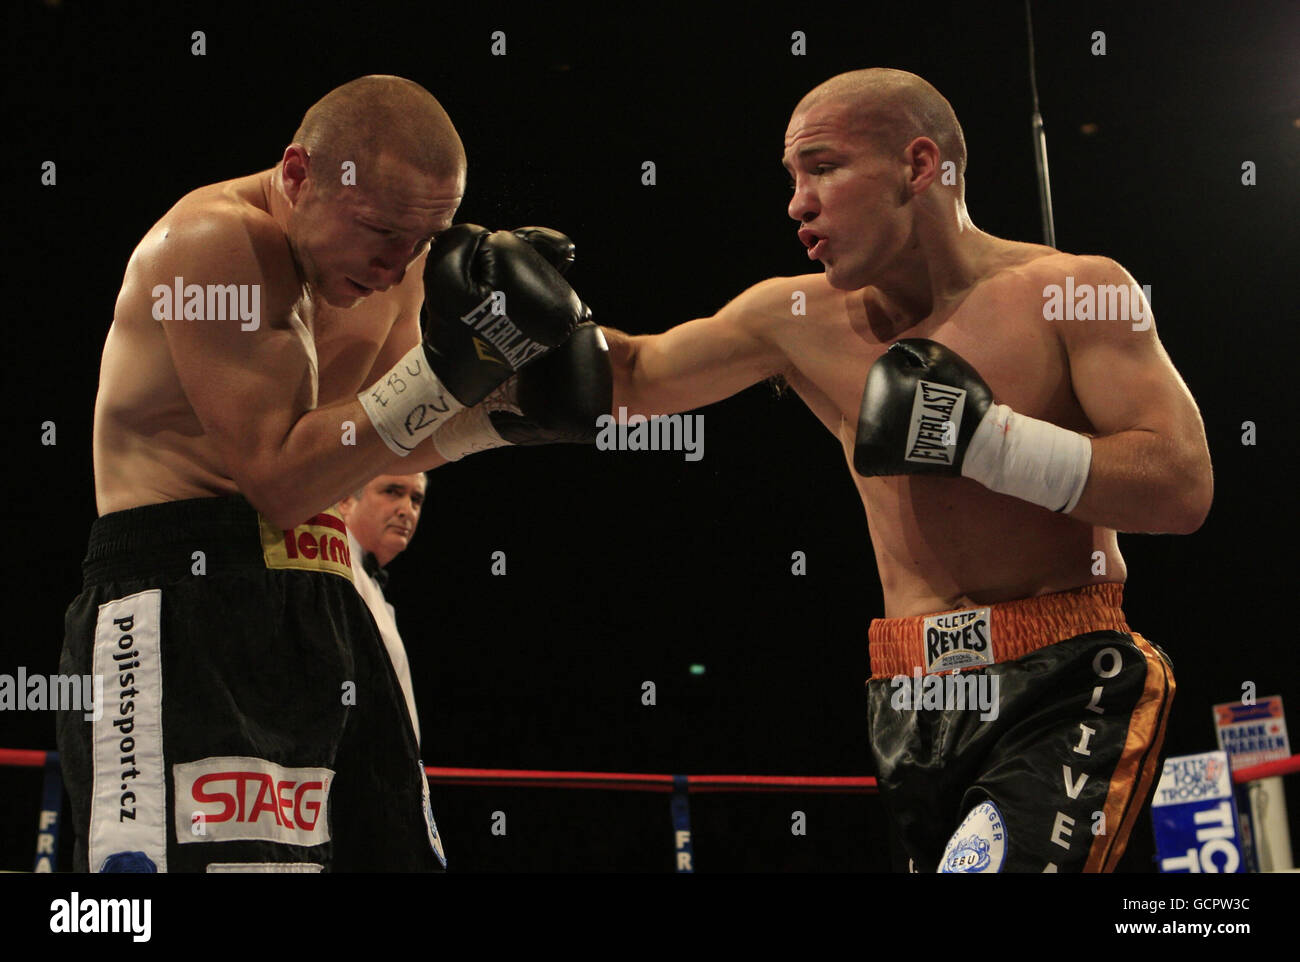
[[492, 305], [919, 410], [925, 410], [558, 399]]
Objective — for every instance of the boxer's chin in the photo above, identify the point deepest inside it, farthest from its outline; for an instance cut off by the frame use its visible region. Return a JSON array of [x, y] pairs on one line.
[[339, 295], [841, 279], [847, 275]]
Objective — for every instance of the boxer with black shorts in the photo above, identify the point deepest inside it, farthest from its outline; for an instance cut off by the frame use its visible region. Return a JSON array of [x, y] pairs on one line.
[[1066, 759], [268, 355], [252, 706], [997, 447]]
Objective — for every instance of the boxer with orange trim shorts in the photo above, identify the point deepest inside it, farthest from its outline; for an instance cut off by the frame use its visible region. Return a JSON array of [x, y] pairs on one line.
[[998, 446], [1049, 774]]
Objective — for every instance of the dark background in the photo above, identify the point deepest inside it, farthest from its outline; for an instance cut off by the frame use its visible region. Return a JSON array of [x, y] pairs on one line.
[[628, 567]]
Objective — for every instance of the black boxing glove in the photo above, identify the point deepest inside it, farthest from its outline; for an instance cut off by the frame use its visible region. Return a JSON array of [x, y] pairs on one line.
[[919, 410], [492, 305], [557, 399], [925, 410], [551, 244]]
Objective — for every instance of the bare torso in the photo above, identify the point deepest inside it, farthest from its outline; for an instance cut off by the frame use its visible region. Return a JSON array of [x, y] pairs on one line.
[[149, 445], [939, 542]]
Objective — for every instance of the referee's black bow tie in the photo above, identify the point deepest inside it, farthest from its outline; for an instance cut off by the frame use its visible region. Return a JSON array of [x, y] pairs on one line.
[[371, 565]]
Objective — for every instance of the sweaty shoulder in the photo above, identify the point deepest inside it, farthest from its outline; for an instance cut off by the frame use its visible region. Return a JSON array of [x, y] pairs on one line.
[[1048, 267], [215, 235], [770, 305], [1085, 287]]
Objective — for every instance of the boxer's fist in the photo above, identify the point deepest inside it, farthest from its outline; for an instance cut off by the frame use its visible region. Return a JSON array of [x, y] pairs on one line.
[[551, 244], [492, 304], [556, 399], [920, 408], [559, 398]]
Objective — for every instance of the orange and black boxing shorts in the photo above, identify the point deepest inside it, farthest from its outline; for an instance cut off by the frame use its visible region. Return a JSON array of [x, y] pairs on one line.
[[251, 719], [1017, 737]]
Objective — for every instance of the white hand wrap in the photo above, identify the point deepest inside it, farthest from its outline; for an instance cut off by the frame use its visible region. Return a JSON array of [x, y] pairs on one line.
[[408, 403], [471, 431], [1029, 459]]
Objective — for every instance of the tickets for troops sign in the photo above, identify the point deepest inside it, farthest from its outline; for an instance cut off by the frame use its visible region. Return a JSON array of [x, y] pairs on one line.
[[1194, 816]]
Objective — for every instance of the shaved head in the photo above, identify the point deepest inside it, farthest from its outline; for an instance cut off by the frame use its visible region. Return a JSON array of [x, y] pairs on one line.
[[892, 108], [380, 114]]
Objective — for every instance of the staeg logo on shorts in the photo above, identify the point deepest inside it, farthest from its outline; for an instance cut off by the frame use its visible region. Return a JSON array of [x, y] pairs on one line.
[[241, 798]]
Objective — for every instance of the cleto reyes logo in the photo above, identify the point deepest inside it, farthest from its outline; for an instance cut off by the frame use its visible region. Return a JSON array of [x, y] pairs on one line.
[[958, 639], [234, 797]]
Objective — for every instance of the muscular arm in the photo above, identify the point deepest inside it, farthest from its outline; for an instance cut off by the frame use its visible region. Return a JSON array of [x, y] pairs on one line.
[[703, 360], [248, 387], [1150, 463]]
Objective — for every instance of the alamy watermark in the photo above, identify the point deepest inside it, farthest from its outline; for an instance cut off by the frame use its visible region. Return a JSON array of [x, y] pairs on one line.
[[208, 302], [663, 432], [24, 692], [76, 916], [956, 691], [1098, 302]]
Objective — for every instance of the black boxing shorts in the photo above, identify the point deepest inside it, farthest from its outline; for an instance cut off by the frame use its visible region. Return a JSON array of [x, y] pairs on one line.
[[250, 718], [1017, 737]]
